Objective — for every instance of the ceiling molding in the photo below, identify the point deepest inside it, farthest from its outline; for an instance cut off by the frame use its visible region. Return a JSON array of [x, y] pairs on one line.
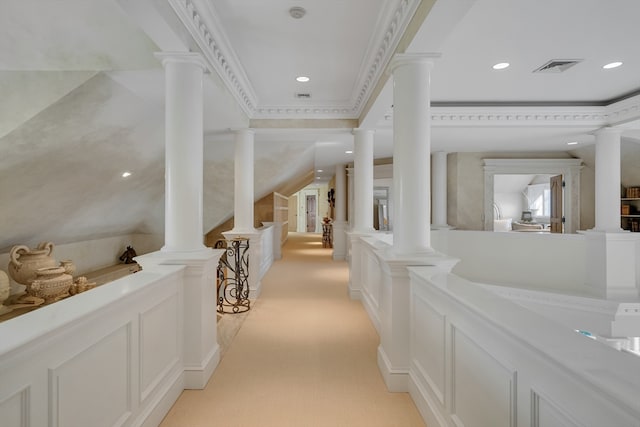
[[615, 114], [624, 111], [304, 123], [200, 20], [279, 112], [517, 116], [207, 32], [381, 49]]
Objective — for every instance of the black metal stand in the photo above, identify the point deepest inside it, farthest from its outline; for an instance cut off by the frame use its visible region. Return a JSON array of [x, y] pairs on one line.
[[233, 274], [327, 235]]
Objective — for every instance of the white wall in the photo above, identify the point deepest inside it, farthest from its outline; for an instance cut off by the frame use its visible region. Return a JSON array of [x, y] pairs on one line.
[[555, 262]]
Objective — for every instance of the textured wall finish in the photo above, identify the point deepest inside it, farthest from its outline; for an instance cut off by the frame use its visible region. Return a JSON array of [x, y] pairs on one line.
[[60, 172], [26, 93], [275, 164]]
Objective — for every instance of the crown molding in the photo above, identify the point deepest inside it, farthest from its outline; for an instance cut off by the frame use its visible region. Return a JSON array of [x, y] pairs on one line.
[[277, 112], [381, 49], [202, 23], [200, 20], [624, 111], [514, 116]]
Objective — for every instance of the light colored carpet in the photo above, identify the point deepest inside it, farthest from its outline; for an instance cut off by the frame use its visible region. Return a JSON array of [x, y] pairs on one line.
[[305, 356]]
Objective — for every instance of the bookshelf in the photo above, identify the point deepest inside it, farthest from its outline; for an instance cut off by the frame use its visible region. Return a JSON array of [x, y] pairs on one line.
[[630, 209]]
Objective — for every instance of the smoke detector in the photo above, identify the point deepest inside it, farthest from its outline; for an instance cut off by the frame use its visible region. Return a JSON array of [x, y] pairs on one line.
[[557, 65], [297, 12]]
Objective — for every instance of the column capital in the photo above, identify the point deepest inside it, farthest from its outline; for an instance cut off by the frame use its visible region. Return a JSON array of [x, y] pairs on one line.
[[243, 130], [608, 130], [182, 57], [357, 130], [402, 59]]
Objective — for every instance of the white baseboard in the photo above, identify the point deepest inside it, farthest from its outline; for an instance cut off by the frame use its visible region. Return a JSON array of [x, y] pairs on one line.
[[371, 311], [196, 378], [156, 412], [397, 380], [255, 293], [431, 417]]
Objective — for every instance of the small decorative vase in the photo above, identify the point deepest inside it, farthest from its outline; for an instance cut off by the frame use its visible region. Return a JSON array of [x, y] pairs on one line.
[[69, 266], [5, 290], [51, 284], [81, 284], [24, 262]]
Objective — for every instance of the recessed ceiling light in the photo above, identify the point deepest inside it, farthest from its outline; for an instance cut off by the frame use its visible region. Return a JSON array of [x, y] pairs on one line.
[[297, 12], [302, 79], [126, 174], [612, 65], [349, 152], [320, 170], [501, 65], [572, 143]]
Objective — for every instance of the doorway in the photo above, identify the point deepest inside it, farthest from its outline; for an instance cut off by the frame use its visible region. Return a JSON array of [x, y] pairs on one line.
[[308, 211], [568, 168], [310, 207]]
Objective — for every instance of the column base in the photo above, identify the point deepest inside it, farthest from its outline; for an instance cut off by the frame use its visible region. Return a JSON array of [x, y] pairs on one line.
[[339, 240], [612, 272], [394, 309], [189, 251], [355, 264], [441, 227], [396, 379], [197, 377], [201, 352]]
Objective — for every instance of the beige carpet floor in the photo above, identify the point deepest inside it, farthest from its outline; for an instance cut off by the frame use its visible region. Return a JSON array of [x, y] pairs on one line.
[[305, 356]]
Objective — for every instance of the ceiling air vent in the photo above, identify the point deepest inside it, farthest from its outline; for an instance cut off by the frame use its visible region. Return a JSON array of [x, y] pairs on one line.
[[305, 95], [557, 65]]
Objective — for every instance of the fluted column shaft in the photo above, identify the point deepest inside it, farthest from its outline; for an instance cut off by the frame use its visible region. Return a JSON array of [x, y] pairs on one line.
[[183, 151], [341, 194], [607, 185], [243, 197], [411, 153], [340, 220], [363, 171]]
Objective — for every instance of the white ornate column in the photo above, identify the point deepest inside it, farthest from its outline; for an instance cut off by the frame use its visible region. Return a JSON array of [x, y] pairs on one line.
[[183, 216], [340, 220], [612, 269], [183, 151], [362, 205], [411, 152], [411, 202], [363, 170], [243, 202], [351, 201], [607, 186], [439, 190], [243, 198]]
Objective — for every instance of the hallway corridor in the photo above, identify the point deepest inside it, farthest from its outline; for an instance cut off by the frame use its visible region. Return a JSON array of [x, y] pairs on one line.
[[304, 357]]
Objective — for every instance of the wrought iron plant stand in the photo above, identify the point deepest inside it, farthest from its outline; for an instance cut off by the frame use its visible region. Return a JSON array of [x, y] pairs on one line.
[[233, 276]]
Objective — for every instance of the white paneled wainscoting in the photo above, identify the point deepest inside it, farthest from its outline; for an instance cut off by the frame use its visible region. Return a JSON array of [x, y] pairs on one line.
[[117, 355], [477, 359], [474, 354]]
